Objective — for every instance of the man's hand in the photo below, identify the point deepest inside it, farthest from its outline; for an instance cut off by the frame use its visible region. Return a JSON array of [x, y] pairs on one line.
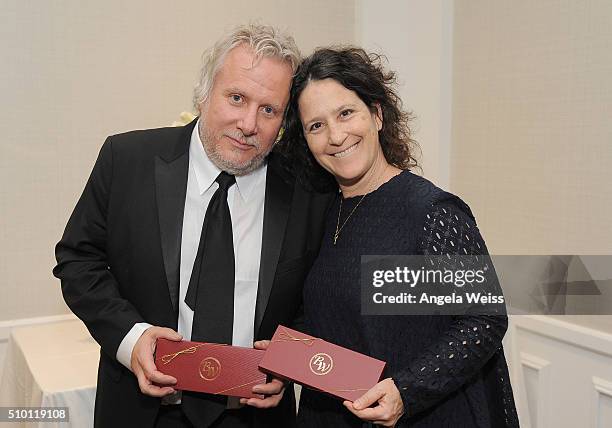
[[273, 389], [143, 364], [389, 409]]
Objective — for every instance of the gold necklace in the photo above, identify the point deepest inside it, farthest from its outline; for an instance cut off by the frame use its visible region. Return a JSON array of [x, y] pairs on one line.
[[338, 227]]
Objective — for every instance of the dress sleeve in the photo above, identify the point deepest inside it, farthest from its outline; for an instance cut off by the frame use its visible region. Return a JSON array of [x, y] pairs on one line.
[[470, 341]]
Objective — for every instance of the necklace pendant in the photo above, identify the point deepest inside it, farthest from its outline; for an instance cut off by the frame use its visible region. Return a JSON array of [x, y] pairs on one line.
[[335, 238]]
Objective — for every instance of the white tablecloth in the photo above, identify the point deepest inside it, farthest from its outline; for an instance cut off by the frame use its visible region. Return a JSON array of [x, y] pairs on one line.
[[51, 365]]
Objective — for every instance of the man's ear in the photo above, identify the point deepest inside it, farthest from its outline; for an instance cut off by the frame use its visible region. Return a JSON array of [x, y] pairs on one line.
[[378, 116]]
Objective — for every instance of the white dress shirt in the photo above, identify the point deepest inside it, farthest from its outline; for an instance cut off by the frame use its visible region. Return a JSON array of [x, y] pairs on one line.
[[246, 205]]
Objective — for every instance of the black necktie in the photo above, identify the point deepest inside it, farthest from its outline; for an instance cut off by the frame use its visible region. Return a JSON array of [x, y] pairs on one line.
[[211, 294]]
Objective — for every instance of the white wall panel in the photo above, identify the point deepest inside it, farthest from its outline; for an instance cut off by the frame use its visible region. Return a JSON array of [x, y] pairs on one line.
[[560, 372], [602, 403], [537, 384]]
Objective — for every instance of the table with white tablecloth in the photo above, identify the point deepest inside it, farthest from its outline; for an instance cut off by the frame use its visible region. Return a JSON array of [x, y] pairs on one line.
[[52, 365]]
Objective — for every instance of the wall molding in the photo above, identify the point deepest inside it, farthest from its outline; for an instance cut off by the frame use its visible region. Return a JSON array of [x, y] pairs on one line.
[[541, 368], [573, 334], [533, 362], [600, 387], [6, 326]]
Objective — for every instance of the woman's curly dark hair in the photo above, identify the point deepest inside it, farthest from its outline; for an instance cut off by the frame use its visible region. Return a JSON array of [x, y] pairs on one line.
[[362, 73]]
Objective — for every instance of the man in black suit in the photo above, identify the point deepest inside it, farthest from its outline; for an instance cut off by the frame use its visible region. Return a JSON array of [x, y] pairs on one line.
[[135, 250]]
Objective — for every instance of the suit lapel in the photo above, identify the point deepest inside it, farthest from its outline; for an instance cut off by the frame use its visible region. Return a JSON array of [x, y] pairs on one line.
[[276, 211], [171, 171]]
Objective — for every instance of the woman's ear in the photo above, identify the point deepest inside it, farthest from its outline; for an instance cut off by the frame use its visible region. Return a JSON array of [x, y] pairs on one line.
[[378, 116]]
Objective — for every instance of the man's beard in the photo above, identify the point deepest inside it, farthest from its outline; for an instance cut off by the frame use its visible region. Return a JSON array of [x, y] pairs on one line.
[[228, 165]]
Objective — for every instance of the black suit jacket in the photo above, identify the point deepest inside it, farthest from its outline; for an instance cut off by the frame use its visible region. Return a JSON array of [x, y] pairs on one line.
[[119, 258]]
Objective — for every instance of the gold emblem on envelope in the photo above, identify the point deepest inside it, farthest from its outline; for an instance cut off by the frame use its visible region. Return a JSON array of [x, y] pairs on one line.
[[321, 364], [210, 368]]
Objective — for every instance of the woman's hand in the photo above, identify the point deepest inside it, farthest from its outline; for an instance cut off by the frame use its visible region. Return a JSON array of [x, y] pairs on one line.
[[389, 409], [273, 390]]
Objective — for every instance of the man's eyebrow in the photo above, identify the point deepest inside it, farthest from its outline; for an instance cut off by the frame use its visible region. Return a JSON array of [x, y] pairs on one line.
[[233, 90]]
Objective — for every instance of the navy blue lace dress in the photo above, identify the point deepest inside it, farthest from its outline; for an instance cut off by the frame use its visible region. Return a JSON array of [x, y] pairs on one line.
[[450, 370]]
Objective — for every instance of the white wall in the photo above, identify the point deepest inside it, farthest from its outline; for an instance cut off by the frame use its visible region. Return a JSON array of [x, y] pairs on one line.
[[416, 37], [531, 123], [531, 132], [74, 72]]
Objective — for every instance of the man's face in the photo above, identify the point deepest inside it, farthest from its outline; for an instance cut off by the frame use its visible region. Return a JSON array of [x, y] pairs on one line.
[[244, 111]]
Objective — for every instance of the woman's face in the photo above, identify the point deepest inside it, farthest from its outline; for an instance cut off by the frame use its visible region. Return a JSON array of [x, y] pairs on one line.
[[341, 131]]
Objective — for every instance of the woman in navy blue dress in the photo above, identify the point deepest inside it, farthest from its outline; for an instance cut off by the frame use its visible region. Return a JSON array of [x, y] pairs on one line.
[[346, 130]]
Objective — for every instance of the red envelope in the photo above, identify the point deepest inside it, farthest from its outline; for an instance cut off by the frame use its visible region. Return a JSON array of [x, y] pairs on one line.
[[321, 365], [211, 367]]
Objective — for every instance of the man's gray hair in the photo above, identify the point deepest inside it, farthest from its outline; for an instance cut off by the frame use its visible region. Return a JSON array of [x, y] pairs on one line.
[[264, 40]]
